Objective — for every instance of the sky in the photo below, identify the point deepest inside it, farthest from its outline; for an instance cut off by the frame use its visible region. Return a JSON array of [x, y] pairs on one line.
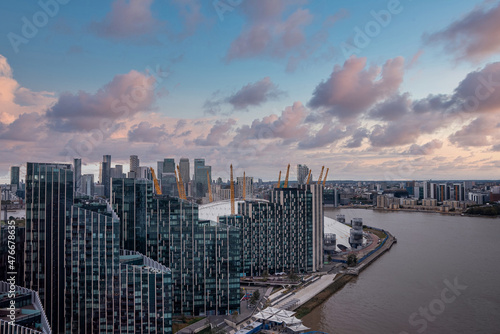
[[373, 90]]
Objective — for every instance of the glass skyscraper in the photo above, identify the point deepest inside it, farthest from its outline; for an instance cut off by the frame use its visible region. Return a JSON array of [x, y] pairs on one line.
[[49, 197]]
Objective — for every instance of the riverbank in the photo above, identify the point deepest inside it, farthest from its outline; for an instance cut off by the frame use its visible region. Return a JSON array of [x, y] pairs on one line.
[[343, 278]]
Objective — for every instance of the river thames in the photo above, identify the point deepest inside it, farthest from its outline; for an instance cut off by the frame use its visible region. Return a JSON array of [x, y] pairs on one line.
[[441, 277]]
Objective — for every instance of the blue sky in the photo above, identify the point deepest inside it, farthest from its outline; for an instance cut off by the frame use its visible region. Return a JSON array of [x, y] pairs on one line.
[[278, 65]]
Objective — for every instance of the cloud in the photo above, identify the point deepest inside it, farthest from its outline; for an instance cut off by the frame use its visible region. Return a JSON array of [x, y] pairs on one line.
[[351, 89], [217, 133], [327, 135], [425, 149], [145, 132], [26, 128], [266, 32], [473, 37], [357, 138], [128, 19], [123, 97], [252, 94], [289, 126], [393, 108], [477, 133]]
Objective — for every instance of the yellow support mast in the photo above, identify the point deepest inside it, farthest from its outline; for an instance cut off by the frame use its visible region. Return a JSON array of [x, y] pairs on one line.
[[180, 184], [232, 191], [309, 177], [287, 174], [279, 181], [244, 186], [157, 186], [324, 180], [321, 175], [210, 198]]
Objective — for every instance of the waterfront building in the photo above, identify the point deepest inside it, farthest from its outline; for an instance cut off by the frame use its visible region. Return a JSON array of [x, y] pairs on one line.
[[29, 312], [458, 192], [284, 234], [203, 256], [429, 202], [49, 196], [127, 290]]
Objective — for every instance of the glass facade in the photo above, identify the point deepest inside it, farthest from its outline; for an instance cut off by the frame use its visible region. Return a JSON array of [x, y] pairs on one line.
[[203, 256], [49, 196], [282, 235]]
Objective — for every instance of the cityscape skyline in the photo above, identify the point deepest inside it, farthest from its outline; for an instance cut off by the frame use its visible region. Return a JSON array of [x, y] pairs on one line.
[[365, 88]]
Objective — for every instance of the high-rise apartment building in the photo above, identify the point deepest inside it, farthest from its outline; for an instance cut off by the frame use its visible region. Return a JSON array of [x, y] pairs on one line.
[[283, 234], [302, 174], [49, 196], [134, 163], [248, 188], [203, 256]]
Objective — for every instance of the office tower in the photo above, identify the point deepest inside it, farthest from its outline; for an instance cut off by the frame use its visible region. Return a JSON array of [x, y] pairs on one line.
[[283, 234], [302, 174], [30, 316], [248, 187], [134, 163], [143, 172], [77, 172], [105, 174], [184, 168], [203, 256], [168, 165], [117, 172], [14, 176], [159, 168], [49, 196], [88, 184], [169, 184], [200, 177], [127, 291]]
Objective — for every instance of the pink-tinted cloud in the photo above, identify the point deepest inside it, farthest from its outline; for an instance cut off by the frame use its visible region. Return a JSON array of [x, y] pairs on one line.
[[482, 131], [266, 32], [218, 132], [289, 126], [145, 132], [123, 97], [190, 11], [351, 89], [473, 37], [128, 19], [426, 149]]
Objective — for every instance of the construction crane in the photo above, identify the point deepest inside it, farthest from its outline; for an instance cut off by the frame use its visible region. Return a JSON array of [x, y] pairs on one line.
[[286, 178], [157, 186], [180, 184], [324, 180], [309, 177], [321, 175], [279, 181], [244, 186], [232, 191], [210, 198]]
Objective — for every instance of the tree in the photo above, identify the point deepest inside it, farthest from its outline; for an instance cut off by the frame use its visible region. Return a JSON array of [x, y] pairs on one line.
[[352, 260], [265, 275], [329, 257], [293, 276], [255, 297]]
